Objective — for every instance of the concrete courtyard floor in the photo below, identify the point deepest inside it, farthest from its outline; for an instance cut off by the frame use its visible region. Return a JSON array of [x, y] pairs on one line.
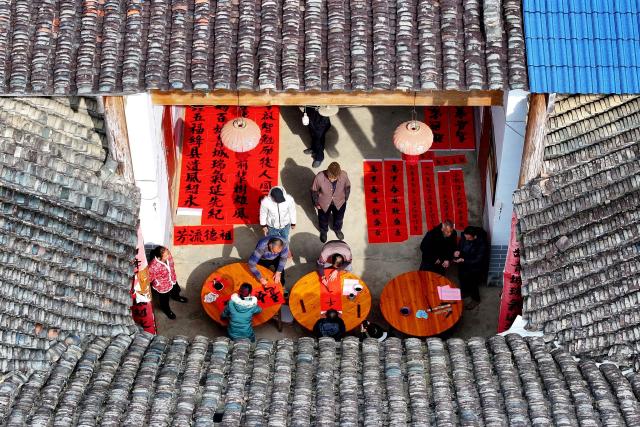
[[357, 134]]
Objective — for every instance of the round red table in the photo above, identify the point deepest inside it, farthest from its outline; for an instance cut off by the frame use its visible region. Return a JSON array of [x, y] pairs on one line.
[[418, 290], [304, 302], [232, 276]]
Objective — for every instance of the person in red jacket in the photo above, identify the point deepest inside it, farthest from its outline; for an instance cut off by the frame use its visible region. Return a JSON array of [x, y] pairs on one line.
[[164, 281]]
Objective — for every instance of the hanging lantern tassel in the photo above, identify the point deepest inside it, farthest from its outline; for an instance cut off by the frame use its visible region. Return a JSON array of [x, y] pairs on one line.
[[413, 138], [240, 135]]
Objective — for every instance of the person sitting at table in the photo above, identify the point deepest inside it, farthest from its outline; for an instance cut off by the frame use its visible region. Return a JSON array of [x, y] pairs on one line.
[[437, 248], [270, 252], [372, 330], [162, 275], [240, 310], [469, 257], [335, 254], [330, 326]]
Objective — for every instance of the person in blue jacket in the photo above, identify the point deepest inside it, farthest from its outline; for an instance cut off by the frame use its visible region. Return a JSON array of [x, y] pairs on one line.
[[240, 311]]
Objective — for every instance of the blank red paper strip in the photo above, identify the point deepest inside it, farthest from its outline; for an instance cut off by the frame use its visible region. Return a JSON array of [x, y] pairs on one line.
[[202, 235], [415, 208], [394, 200], [460, 211], [374, 201], [446, 199], [429, 193]]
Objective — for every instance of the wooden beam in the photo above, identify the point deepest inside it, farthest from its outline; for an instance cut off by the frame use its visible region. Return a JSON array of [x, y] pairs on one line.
[[474, 98], [533, 150], [117, 136]]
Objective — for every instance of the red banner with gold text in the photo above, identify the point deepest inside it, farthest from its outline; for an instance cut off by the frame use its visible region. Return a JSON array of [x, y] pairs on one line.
[[445, 196]]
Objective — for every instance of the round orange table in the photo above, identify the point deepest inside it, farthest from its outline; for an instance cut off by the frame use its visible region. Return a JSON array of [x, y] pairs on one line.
[[304, 302], [232, 276], [418, 290]]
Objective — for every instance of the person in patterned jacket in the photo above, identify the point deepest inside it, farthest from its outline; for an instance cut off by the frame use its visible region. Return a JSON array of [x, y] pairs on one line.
[[164, 281]]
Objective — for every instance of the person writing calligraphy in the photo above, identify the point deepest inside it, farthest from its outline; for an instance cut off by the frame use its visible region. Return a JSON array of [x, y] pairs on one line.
[[437, 248], [240, 310], [470, 258], [277, 213], [329, 194], [270, 252], [162, 275], [335, 255]]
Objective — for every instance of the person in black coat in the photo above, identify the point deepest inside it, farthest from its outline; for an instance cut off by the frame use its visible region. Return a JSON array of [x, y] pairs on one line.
[[470, 259], [330, 326], [318, 128], [437, 248]]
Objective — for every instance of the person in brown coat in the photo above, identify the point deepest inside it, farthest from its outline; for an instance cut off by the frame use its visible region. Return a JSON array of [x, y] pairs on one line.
[[329, 193]]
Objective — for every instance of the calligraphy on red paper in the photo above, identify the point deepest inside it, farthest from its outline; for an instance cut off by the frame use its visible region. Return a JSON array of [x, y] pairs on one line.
[[375, 202], [394, 200], [445, 196], [430, 198], [460, 210], [202, 235], [415, 208]]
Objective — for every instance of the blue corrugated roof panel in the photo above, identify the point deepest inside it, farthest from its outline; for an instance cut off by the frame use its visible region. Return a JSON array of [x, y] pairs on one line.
[[583, 46]]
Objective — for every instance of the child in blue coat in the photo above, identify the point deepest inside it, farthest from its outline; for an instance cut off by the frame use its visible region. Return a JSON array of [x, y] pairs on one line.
[[240, 311]]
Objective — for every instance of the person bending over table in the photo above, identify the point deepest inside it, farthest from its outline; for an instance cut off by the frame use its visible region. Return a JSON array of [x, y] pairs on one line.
[[335, 254], [270, 252], [240, 310], [330, 326]]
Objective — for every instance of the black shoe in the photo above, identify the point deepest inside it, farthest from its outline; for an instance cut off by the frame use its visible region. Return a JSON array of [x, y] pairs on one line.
[[340, 235], [316, 164], [308, 151], [170, 314], [180, 299], [323, 236]]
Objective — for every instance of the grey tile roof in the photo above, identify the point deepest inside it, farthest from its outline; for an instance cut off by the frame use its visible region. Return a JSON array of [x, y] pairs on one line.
[[152, 380], [67, 230], [118, 46], [580, 229]]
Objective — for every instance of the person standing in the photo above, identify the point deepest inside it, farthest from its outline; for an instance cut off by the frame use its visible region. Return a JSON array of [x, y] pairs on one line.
[[277, 213], [329, 194], [162, 275], [470, 259], [270, 252], [336, 255], [240, 310], [318, 127], [437, 248]]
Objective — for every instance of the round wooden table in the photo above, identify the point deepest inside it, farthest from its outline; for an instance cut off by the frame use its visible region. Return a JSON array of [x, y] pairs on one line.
[[418, 290], [232, 276], [304, 302]]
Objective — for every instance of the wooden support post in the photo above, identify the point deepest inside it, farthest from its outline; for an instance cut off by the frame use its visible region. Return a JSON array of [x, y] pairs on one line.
[[533, 150], [117, 136]]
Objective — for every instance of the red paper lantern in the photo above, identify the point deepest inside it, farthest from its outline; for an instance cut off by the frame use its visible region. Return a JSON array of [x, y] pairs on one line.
[[240, 135], [413, 138]]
